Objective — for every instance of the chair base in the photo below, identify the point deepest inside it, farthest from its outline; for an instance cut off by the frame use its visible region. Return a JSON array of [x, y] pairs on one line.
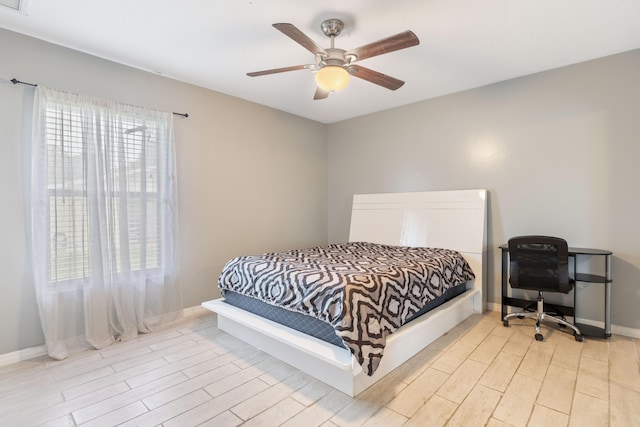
[[540, 316]]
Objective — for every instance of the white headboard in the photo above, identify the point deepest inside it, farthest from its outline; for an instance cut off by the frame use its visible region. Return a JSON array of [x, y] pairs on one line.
[[440, 219]]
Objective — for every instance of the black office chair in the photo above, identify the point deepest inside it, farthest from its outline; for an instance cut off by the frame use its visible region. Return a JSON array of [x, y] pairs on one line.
[[540, 263]]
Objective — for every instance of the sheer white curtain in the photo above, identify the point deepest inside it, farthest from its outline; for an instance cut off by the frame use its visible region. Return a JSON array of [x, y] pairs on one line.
[[103, 220]]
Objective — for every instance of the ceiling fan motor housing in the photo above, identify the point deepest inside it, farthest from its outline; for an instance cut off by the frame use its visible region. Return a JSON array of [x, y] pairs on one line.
[[334, 56]]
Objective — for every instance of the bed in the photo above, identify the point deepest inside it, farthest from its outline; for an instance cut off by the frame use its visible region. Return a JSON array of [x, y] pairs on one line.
[[440, 222]]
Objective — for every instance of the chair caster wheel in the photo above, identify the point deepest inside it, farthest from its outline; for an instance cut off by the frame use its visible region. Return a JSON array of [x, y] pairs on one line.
[[505, 323], [579, 338], [520, 317], [539, 337], [562, 325]]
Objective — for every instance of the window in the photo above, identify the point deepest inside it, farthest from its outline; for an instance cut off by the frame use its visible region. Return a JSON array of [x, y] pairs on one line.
[[129, 168]]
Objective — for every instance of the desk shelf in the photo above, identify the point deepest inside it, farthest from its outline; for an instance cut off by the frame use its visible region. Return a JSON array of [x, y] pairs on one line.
[[591, 278], [592, 331]]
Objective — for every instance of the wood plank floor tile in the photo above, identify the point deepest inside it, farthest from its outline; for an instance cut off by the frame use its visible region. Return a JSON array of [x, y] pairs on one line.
[[451, 359], [151, 356], [170, 410], [488, 349], [226, 419], [567, 354], [624, 404], [536, 362], [588, 411], [31, 400], [498, 375], [166, 369], [117, 401], [385, 418], [320, 412], [593, 378], [216, 406], [503, 332], [450, 337], [210, 364], [545, 417], [88, 362], [312, 392], [271, 396], [418, 392], [276, 414], [65, 421], [622, 344], [476, 409], [188, 386], [479, 332], [435, 413], [119, 416], [249, 357], [519, 341], [497, 423], [355, 413], [460, 383], [516, 404], [36, 417], [596, 349], [143, 341], [557, 389], [107, 380], [280, 372], [414, 367], [232, 381], [384, 391], [623, 368]]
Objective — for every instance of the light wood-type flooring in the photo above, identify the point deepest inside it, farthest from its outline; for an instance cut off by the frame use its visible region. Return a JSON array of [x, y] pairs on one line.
[[478, 374]]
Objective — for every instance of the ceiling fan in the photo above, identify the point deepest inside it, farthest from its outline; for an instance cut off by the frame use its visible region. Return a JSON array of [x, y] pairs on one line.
[[333, 66]]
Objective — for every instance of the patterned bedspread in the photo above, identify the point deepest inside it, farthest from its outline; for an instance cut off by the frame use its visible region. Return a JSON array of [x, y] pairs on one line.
[[364, 290]]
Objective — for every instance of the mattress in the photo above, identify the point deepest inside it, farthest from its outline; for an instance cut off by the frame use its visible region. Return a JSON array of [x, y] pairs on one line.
[[365, 291], [315, 327]]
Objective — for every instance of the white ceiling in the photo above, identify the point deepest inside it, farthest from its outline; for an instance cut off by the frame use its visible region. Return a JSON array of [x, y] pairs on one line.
[[214, 43]]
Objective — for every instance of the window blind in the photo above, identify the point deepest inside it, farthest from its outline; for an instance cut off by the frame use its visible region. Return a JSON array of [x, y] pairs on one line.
[[127, 165]]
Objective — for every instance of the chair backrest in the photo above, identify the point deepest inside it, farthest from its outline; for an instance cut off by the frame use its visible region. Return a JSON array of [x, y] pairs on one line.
[[539, 263]]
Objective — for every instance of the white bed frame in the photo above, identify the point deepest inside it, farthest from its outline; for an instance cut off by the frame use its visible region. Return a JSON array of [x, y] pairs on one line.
[[446, 219]]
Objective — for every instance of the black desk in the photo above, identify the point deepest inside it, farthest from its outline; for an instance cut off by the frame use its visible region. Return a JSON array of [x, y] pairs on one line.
[[586, 330]]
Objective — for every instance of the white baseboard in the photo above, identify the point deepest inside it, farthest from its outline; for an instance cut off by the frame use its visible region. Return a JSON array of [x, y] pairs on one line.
[[41, 350], [21, 355], [615, 329]]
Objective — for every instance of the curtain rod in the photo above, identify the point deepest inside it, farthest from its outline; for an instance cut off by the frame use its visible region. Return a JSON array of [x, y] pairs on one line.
[[16, 81]]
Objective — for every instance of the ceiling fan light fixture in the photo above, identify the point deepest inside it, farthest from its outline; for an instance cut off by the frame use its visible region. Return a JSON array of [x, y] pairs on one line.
[[332, 78]]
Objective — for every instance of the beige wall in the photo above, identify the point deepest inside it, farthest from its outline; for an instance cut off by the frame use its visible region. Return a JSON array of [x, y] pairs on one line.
[[251, 179], [558, 151]]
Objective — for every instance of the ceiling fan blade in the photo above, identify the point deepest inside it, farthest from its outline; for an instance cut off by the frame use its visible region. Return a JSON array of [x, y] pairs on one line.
[[375, 77], [279, 70], [321, 94], [299, 37], [389, 44]]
